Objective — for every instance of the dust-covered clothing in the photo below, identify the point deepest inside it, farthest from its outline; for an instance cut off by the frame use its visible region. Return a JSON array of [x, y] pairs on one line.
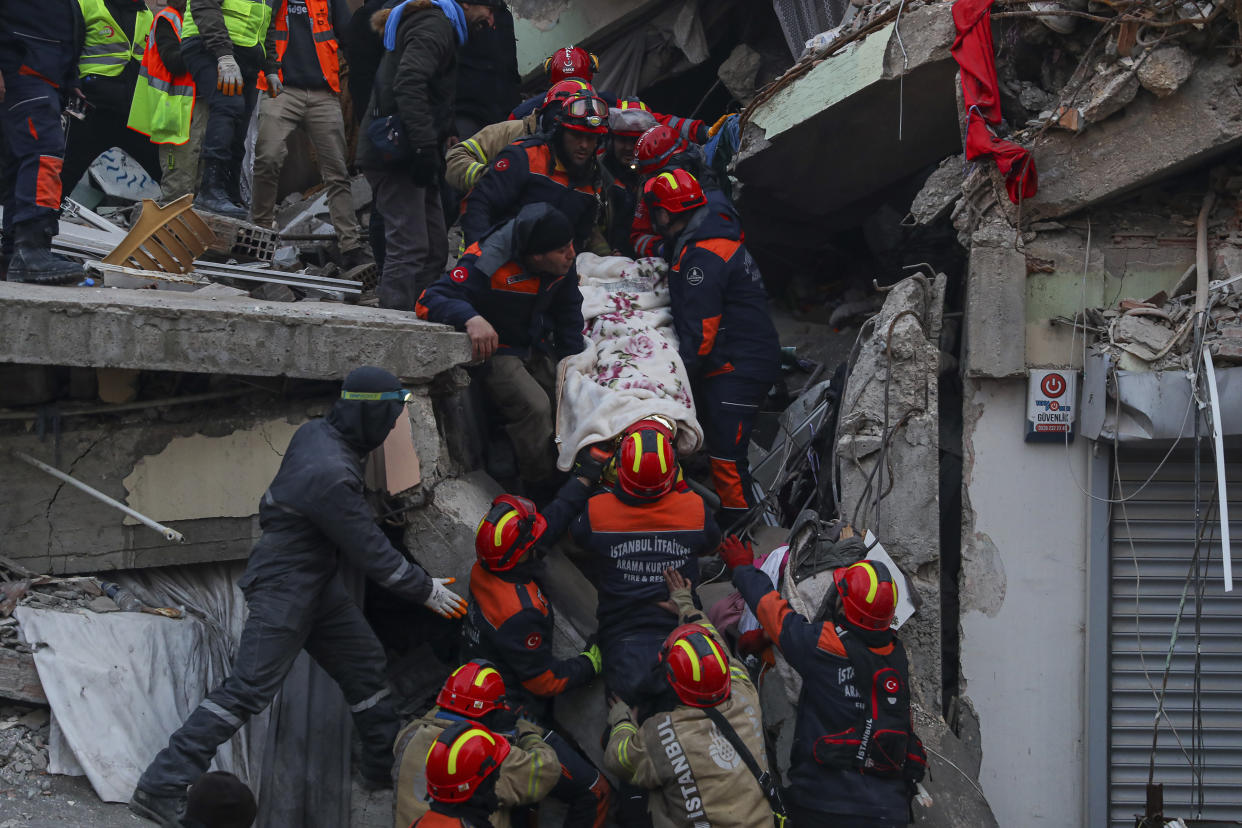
[[467, 161]]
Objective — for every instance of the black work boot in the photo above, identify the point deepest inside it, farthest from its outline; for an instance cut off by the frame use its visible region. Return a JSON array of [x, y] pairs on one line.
[[165, 811], [232, 185], [33, 260], [213, 194]]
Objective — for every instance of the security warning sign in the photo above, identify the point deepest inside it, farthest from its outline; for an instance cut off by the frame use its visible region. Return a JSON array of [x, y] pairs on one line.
[[1051, 400]]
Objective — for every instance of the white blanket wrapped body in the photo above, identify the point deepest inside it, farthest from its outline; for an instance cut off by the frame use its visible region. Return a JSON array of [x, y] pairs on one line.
[[630, 368]]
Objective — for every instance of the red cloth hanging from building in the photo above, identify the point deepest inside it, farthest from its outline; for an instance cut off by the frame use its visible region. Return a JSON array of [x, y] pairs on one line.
[[973, 51]]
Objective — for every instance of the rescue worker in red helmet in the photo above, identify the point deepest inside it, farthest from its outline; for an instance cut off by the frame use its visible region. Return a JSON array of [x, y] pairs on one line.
[[657, 150], [856, 757], [510, 623], [720, 312], [574, 62], [626, 124], [645, 524], [468, 772], [557, 167], [475, 692], [681, 741]]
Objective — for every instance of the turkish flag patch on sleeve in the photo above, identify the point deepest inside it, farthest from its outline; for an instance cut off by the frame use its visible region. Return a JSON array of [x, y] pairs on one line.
[[459, 274], [533, 641], [502, 164]]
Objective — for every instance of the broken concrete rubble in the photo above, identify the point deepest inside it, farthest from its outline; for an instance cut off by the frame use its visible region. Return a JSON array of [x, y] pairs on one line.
[[1165, 70]]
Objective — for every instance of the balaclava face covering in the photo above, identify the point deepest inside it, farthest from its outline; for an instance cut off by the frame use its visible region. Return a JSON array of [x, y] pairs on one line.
[[365, 424]]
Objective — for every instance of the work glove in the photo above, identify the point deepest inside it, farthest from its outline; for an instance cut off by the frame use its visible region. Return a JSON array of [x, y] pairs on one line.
[[593, 655], [425, 166], [735, 553], [443, 601], [590, 461], [274, 86], [228, 76]]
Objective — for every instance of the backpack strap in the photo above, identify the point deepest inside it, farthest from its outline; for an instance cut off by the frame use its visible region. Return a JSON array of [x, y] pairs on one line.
[[770, 791]]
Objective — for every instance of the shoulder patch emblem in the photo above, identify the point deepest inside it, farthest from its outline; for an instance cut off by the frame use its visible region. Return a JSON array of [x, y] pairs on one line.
[[459, 274], [502, 164], [533, 641], [695, 276]]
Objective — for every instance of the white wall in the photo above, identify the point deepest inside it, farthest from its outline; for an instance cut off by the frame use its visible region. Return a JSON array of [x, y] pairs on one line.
[[1023, 610]]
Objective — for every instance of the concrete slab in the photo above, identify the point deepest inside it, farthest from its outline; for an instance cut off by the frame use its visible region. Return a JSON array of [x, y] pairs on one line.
[[165, 331]]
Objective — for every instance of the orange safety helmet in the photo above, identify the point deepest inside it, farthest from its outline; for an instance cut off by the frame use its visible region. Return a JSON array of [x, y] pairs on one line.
[[474, 689], [655, 147], [510, 528], [868, 594], [676, 191], [461, 758], [646, 460], [696, 666], [571, 62]]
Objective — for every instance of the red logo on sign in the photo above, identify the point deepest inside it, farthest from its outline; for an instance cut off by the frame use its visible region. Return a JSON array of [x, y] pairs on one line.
[[533, 641], [459, 274], [502, 164], [1052, 385], [891, 685], [1054, 406]]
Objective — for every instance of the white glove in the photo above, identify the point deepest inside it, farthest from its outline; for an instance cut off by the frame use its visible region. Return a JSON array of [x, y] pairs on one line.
[[228, 76], [443, 601], [274, 86]]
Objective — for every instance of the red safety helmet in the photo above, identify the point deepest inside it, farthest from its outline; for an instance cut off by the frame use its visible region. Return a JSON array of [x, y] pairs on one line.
[[646, 460], [655, 147], [561, 90], [474, 689], [461, 758], [868, 594], [676, 191], [507, 531], [584, 112], [696, 666], [571, 62]]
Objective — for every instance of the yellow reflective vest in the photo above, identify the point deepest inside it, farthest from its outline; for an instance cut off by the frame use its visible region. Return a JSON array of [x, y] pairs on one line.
[[163, 102], [246, 20], [107, 50]]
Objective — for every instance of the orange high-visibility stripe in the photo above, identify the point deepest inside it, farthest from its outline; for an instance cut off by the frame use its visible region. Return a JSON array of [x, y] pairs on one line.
[[322, 33]]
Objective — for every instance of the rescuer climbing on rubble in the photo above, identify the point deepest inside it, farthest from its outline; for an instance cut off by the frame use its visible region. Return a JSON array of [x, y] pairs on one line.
[[856, 757], [720, 312], [466, 767], [574, 62], [475, 692], [312, 512], [625, 124], [516, 295], [658, 150], [38, 76], [557, 167], [698, 739], [647, 523], [510, 623]]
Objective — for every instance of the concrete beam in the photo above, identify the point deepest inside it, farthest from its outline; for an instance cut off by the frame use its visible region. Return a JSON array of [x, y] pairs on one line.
[[1151, 139], [167, 331], [996, 304], [830, 138], [543, 26]]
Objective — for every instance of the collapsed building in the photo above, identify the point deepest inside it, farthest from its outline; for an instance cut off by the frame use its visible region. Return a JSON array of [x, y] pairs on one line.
[[1024, 416]]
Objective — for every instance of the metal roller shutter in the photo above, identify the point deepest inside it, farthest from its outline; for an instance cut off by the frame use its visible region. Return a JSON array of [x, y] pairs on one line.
[[1152, 543]]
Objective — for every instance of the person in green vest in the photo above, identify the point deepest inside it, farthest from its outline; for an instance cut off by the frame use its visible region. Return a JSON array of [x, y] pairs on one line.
[[116, 35], [163, 105], [227, 45]]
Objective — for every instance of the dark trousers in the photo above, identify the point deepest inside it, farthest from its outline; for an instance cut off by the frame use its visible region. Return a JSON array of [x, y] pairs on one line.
[[582, 787], [334, 632], [228, 116], [32, 151], [807, 818], [415, 239], [727, 407], [629, 659], [103, 129]]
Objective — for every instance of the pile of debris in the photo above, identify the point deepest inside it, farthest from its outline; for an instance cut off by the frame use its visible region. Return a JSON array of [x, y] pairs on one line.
[[24, 732]]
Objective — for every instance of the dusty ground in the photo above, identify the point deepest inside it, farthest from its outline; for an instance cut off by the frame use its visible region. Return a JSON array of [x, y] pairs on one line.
[[69, 801]]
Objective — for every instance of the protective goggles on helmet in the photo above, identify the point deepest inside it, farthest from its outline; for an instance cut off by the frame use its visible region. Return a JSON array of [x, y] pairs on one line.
[[378, 396], [587, 107]]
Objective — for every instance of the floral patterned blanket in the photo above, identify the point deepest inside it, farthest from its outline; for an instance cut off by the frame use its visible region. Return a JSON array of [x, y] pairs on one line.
[[630, 368]]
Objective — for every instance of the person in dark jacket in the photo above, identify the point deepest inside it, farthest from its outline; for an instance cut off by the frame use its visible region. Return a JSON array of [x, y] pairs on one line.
[[621, 199], [38, 74], [365, 48], [226, 54], [724, 331], [649, 522], [488, 82], [510, 623], [313, 512], [516, 294], [416, 83], [560, 168], [855, 755], [108, 87]]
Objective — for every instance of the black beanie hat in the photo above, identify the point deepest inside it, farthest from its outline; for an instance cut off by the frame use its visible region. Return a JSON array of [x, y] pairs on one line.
[[220, 800], [549, 232], [365, 424]]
